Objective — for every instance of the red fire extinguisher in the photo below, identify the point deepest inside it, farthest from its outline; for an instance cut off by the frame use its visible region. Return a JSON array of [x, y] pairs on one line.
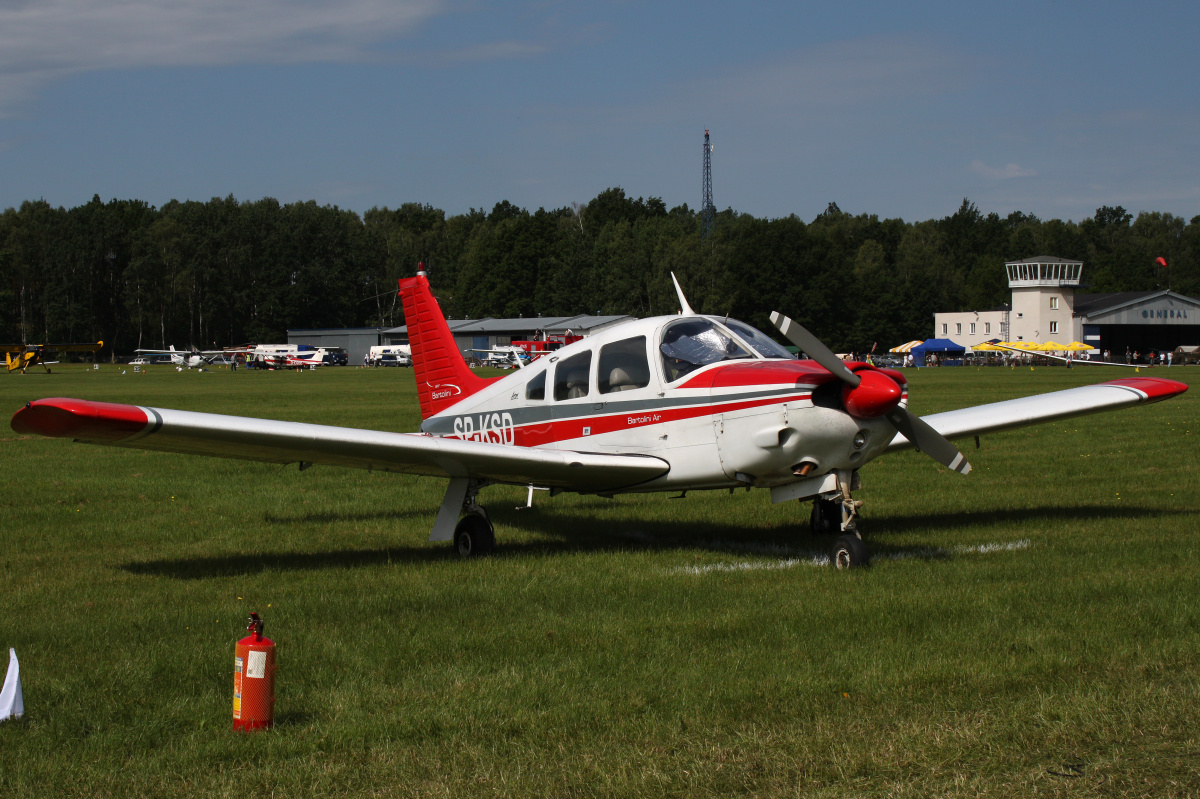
[[254, 680]]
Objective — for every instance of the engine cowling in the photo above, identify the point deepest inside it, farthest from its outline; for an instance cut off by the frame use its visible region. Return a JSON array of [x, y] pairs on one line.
[[875, 395]]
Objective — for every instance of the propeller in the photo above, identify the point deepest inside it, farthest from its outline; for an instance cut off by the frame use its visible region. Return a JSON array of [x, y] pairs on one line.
[[870, 394]]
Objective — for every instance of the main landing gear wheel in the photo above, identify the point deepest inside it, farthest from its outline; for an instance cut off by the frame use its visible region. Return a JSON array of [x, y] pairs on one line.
[[474, 536], [826, 518], [849, 552]]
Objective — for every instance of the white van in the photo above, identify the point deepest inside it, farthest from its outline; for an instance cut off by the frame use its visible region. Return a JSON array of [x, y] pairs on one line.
[[391, 355]]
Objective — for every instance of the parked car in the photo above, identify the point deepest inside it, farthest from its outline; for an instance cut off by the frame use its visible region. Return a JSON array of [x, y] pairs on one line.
[[888, 360]]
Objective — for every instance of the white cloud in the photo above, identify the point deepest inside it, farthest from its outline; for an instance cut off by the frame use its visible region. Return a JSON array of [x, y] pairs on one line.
[[1006, 172], [46, 40]]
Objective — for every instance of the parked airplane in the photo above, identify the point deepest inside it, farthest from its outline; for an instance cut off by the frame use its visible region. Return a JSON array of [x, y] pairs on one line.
[[191, 358], [503, 357], [286, 356], [671, 403], [23, 356]]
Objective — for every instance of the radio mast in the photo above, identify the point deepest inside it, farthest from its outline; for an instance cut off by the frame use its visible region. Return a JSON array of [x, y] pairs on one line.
[[706, 202]]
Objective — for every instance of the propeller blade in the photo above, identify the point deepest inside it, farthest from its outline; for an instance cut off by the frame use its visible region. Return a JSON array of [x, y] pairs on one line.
[[810, 344], [928, 440]]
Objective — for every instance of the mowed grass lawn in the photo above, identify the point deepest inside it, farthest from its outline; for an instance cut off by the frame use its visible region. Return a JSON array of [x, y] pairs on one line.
[[1033, 627]]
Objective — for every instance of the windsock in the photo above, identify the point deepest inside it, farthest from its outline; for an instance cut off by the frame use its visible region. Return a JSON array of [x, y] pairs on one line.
[[12, 706]]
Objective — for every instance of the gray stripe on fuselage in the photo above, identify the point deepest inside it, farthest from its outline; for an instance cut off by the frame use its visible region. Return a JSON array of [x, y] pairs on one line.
[[444, 425]]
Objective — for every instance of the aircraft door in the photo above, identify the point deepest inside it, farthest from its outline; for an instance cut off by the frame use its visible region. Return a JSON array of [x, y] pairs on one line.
[[570, 389], [628, 397]]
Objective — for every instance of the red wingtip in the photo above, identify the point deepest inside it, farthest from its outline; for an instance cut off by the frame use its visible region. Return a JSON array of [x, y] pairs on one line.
[[61, 417], [1156, 388]]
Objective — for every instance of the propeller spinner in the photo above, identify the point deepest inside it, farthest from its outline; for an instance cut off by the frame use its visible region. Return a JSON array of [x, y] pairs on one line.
[[868, 394]]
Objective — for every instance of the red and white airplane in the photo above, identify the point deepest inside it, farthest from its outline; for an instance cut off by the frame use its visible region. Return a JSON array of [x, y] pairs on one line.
[[671, 403]]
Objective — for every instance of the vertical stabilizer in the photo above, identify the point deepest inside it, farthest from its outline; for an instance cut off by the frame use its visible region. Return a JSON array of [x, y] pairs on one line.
[[12, 705], [443, 378]]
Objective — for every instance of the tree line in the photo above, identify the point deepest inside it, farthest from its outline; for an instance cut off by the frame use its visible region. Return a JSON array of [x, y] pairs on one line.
[[227, 272]]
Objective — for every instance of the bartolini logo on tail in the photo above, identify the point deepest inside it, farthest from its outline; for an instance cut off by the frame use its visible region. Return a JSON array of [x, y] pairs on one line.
[[443, 378], [444, 391]]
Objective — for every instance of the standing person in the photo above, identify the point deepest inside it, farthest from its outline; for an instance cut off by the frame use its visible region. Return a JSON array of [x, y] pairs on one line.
[[1170, 357]]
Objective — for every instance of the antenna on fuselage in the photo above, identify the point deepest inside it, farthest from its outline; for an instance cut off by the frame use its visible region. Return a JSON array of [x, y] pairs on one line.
[[684, 308]]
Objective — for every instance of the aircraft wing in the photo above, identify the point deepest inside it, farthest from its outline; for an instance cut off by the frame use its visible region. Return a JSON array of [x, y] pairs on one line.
[[999, 345], [1041, 408], [53, 347], [272, 441]]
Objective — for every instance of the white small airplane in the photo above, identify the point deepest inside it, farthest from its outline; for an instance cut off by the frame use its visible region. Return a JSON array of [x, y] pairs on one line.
[[672, 403], [503, 357], [283, 356], [192, 358]]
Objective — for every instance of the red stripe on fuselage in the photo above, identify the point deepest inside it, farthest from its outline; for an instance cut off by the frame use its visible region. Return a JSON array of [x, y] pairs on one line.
[[553, 431], [61, 417]]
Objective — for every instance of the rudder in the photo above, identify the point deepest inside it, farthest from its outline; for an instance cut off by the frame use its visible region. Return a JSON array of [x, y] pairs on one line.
[[443, 378]]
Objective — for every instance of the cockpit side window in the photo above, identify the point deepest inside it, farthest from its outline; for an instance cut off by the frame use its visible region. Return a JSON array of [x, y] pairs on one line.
[[692, 343], [763, 344], [572, 377], [623, 365], [535, 389]]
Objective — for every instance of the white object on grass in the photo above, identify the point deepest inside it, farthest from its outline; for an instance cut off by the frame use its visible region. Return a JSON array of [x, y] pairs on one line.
[[12, 706]]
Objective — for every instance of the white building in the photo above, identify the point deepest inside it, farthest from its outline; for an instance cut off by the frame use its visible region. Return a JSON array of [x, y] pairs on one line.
[[970, 328], [1045, 308]]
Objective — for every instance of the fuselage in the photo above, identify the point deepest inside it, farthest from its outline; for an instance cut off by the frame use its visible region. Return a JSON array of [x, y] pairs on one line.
[[724, 404]]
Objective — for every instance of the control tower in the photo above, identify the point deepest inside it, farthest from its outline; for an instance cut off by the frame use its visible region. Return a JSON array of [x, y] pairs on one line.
[[1043, 299]]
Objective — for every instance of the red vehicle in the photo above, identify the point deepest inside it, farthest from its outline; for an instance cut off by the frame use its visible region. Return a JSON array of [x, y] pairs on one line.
[[539, 347]]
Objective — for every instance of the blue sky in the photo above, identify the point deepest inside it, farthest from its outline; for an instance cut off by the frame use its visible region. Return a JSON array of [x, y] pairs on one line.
[[893, 109]]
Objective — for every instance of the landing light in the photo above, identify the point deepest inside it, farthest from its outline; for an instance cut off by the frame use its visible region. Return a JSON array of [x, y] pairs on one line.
[[860, 439]]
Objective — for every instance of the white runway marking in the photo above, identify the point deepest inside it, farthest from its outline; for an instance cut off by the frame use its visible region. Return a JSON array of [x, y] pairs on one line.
[[817, 559]]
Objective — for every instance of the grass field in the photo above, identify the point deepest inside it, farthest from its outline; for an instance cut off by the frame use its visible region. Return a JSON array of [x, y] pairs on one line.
[[1033, 628]]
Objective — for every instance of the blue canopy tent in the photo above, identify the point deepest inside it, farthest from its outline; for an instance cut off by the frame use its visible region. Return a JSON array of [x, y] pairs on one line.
[[944, 347]]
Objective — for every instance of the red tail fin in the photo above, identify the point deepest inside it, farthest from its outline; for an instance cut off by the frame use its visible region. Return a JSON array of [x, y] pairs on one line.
[[443, 378]]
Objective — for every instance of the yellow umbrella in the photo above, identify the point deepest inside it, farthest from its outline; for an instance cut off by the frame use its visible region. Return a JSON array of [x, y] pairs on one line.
[[907, 347], [1050, 346], [985, 347], [1077, 346]]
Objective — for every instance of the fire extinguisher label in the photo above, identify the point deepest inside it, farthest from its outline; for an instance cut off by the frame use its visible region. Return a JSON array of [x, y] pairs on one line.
[[237, 688], [256, 665]]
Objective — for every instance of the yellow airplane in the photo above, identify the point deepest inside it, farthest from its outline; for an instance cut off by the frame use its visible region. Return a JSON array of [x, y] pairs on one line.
[[22, 356]]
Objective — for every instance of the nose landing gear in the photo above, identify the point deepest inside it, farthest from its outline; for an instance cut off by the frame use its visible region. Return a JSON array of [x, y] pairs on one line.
[[839, 513]]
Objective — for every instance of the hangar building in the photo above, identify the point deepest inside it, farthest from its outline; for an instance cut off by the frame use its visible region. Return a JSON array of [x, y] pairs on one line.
[[484, 334], [356, 341]]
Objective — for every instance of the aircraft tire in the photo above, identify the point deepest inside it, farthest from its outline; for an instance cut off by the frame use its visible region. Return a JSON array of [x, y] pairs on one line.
[[849, 552], [474, 537], [826, 518]]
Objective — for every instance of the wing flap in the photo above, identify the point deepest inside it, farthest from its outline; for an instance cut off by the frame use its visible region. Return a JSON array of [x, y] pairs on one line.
[[1042, 408], [273, 441]]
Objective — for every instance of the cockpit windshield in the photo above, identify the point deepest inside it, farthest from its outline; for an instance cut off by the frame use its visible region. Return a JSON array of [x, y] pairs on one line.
[[763, 344], [691, 343]]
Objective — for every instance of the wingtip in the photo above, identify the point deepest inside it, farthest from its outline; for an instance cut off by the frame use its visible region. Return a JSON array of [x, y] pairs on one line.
[[63, 417]]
